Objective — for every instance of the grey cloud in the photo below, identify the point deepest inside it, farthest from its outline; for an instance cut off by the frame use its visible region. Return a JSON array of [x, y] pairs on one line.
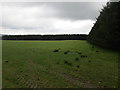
[[78, 10], [114, 0], [69, 10], [50, 17]]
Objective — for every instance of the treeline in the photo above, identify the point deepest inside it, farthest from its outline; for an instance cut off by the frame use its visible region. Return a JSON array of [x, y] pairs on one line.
[[46, 37], [106, 30]]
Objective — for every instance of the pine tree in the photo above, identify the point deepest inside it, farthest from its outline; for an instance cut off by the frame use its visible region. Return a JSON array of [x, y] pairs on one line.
[[106, 30]]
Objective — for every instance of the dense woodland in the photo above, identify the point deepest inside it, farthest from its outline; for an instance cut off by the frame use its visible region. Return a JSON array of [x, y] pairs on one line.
[[106, 30], [46, 37]]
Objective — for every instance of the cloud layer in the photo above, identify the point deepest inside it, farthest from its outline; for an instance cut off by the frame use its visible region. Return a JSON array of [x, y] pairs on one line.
[[49, 18]]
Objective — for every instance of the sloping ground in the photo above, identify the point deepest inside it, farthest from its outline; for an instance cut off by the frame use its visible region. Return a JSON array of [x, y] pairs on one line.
[[58, 64]]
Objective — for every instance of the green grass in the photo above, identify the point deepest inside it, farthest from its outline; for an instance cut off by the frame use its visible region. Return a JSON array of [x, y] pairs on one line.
[[0, 64], [33, 64]]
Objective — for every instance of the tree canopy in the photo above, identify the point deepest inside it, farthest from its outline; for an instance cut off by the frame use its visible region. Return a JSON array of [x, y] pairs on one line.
[[46, 37], [106, 30]]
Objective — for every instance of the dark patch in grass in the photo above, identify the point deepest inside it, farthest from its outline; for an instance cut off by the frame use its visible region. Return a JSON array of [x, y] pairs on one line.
[[97, 51], [57, 63], [26, 75], [65, 52], [66, 62], [56, 50], [104, 86], [76, 59], [70, 64], [89, 61], [68, 51], [83, 56], [38, 79], [6, 61], [92, 48], [100, 82], [21, 71], [78, 52], [78, 66]]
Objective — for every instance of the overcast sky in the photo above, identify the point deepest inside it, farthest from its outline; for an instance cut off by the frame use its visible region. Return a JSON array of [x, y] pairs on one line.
[[49, 17]]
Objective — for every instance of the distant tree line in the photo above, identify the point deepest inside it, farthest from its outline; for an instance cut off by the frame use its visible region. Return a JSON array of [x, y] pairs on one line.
[[106, 30], [46, 37]]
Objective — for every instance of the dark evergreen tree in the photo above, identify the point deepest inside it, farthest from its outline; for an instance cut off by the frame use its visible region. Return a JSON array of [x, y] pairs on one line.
[[46, 37], [106, 30]]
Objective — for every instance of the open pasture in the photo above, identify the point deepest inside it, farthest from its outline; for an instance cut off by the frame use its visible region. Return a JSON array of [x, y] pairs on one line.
[[58, 64]]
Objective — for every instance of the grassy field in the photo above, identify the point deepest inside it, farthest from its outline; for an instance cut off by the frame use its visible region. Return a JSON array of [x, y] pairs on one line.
[[58, 64]]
